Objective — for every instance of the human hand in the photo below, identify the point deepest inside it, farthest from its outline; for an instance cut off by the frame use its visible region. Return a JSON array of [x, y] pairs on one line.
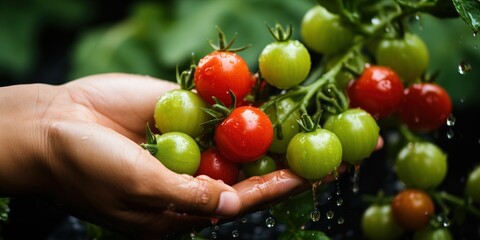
[[79, 143]]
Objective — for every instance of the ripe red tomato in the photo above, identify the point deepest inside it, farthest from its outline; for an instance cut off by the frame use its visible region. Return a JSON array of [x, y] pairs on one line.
[[425, 107], [412, 209], [219, 72], [216, 166], [378, 91], [244, 135]]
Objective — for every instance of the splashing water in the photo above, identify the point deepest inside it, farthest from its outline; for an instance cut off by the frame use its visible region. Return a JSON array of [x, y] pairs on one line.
[[356, 179], [270, 222], [464, 67], [235, 233], [315, 215]]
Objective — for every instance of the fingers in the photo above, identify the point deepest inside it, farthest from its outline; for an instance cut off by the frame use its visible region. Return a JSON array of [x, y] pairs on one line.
[[259, 190]]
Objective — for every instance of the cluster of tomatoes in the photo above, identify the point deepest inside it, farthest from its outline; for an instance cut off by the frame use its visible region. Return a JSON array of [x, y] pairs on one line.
[[228, 122]]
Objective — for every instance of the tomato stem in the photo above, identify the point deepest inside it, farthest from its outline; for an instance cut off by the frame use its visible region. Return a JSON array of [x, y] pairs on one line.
[[450, 198]]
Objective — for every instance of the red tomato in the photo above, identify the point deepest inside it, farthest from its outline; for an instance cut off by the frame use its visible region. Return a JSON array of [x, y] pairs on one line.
[[219, 72], [425, 107], [244, 135], [412, 209], [378, 90], [216, 166]]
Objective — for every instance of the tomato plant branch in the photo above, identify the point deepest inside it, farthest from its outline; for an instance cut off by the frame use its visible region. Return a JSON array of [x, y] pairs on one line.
[[446, 197]]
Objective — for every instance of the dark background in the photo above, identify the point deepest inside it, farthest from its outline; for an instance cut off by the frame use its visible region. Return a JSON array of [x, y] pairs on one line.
[[56, 41]]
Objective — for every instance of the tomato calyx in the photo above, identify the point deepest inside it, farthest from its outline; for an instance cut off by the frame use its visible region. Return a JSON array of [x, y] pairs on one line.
[[151, 141], [279, 33], [223, 45], [185, 78]]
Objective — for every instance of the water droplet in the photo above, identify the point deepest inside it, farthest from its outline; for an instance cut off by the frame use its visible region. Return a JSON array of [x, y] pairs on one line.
[[450, 133], [270, 222], [375, 21], [451, 120], [235, 233], [243, 220], [330, 214], [339, 202], [315, 215], [464, 67], [214, 235], [192, 235], [340, 220], [356, 179]]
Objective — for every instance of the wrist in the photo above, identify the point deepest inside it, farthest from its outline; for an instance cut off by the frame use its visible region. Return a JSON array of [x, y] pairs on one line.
[[23, 138]]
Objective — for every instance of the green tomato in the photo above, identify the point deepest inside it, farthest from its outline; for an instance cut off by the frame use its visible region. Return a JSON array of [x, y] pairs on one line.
[[358, 132], [472, 187], [324, 32], [421, 165], [430, 233], [408, 56], [178, 152], [284, 64], [284, 110], [262, 166], [314, 155], [180, 111], [378, 223]]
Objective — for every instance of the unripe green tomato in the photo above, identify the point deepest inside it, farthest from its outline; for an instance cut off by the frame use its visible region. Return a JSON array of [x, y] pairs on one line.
[[259, 167], [421, 165], [289, 127], [430, 233], [358, 132], [472, 187], [378, 223], [180, 111], [314, 155], [323, 32], [178, 152], [407, 56], [284, 64]]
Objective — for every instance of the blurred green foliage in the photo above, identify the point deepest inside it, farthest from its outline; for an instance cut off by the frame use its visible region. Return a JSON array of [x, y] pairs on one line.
[[153, 37]]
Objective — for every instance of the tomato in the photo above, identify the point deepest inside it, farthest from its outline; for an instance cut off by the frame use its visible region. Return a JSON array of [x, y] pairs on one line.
[[219, 72], [178, 152], [244, 135], [421, 165], [378, 223], [216, 166], [284, 109], [324, 32], [425, 107], [185, 107], [378, 91], [358, 132], [430, 233], [284, 64], [412, 209], [472, 186], [408, 56], [261, 166], [313, 155]]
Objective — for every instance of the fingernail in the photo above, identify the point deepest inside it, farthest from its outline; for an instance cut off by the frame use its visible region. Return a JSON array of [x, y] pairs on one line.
[[229, 204]]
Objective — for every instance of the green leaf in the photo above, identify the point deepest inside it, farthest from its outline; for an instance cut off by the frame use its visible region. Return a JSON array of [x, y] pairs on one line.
[[303, 235], [4, 209], [469, 11]]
